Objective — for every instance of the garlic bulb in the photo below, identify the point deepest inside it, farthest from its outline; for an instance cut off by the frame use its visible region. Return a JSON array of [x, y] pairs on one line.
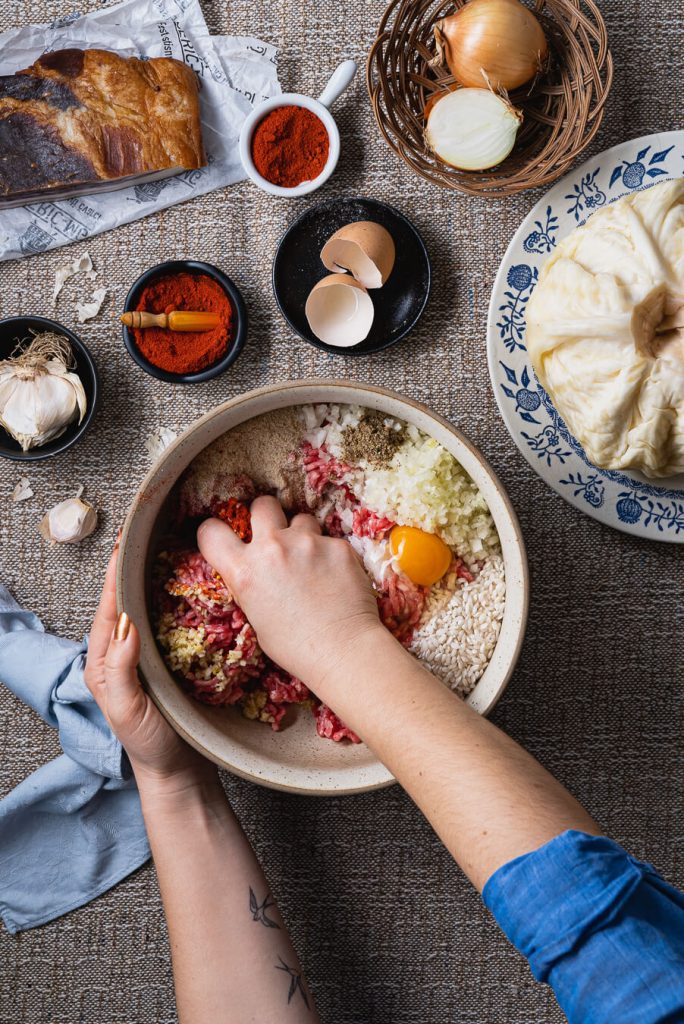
[[69, 522], [39, 394]]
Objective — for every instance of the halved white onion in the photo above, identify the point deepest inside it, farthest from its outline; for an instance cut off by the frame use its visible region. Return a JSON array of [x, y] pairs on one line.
[[472, 129]]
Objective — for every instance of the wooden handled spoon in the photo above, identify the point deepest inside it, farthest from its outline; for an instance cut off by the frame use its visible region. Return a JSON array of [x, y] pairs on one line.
[[178, 320]]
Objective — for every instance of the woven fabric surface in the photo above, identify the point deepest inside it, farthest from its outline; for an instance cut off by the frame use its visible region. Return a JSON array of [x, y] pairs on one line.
[[388, 929]]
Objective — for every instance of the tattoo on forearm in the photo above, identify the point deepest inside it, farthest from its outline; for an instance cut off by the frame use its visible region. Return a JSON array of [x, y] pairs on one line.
[[259, 909], [296, 983]]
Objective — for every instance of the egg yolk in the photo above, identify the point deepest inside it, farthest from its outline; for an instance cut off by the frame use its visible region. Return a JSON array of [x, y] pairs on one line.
[[424, 557]]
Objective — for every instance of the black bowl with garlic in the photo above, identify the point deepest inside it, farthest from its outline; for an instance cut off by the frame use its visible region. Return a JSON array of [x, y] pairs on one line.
[[48, 388]]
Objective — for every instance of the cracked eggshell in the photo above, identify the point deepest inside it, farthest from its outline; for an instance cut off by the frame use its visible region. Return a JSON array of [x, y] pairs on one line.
[[340, 311], [365, 249]]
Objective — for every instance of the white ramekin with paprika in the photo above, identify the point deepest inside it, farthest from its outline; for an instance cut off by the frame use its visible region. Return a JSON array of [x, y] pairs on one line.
[[290, 144]]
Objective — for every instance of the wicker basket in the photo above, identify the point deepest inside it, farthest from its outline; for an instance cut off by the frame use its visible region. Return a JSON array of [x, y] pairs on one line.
[[562, 110]]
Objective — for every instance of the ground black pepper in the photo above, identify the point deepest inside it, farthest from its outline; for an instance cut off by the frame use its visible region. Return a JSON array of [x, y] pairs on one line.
[[375, 438]]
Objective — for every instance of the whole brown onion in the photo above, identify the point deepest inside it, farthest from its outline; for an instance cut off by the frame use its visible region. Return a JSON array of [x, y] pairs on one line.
[[495, 43]]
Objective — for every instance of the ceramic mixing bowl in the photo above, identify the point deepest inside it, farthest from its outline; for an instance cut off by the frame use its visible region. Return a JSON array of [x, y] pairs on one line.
[[296, 759]]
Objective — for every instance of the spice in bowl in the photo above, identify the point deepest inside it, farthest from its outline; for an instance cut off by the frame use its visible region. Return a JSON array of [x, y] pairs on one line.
[[290, 145], [175, 348]]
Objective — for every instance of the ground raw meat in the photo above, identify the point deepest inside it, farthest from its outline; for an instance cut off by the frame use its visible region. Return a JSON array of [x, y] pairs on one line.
[[322, 468], [401, 606], [204, 634], [207, 640], [368, 524], [329, 726]]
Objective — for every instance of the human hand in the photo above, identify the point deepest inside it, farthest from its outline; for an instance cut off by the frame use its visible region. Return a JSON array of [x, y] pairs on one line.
[[157, 754], [306, 595]]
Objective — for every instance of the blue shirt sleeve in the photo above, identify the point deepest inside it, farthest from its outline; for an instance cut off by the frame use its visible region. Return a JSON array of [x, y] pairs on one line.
[[604, 930]]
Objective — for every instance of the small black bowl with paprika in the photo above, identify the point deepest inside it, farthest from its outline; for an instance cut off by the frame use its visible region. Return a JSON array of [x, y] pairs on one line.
[[179, 357]]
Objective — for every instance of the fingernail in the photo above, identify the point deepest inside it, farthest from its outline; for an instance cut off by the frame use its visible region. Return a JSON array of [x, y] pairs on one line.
[[123, 624]]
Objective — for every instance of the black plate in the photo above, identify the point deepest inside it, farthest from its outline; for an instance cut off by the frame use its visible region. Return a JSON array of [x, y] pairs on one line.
[[297, 267], [16, 328], [239, 309]]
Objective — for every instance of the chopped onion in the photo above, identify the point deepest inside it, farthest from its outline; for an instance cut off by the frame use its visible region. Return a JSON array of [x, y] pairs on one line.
[[497, 43], [472, 129]]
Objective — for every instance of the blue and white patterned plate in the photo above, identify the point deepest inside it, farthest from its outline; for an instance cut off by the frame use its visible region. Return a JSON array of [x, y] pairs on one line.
[[627, 501]]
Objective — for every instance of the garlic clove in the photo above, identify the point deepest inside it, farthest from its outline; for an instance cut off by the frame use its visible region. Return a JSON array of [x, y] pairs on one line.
[[159, 440], [61, 396], [23, 490], [69, 522], [88, 310], [79, 391], [82, 265], [339, 311], [365, 249]]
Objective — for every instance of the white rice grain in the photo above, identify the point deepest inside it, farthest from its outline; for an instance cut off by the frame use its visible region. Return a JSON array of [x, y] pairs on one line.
[[458, 633]]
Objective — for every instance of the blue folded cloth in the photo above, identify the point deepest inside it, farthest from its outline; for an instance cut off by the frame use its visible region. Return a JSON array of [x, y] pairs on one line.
[[74, 828]]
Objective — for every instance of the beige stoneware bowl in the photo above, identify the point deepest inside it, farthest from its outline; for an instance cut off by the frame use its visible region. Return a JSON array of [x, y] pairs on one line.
[[296, 759]]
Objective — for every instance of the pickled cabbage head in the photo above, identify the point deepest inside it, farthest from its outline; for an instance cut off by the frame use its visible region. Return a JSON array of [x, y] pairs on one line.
[[605, 332]]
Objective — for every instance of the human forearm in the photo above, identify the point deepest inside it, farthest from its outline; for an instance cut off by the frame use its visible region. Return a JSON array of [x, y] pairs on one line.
[[486, 797], [315, 614], [232, 957]]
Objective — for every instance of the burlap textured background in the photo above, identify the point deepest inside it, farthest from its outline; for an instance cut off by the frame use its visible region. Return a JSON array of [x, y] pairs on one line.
[[388, 929]]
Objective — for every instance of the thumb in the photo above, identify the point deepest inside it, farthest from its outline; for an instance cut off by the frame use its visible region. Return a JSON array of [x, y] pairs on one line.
[[124, 696], [221, 547]]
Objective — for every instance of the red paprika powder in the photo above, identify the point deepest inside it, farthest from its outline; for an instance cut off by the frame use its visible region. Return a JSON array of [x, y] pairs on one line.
[[238, 517], [185, 351], [290, 145]]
